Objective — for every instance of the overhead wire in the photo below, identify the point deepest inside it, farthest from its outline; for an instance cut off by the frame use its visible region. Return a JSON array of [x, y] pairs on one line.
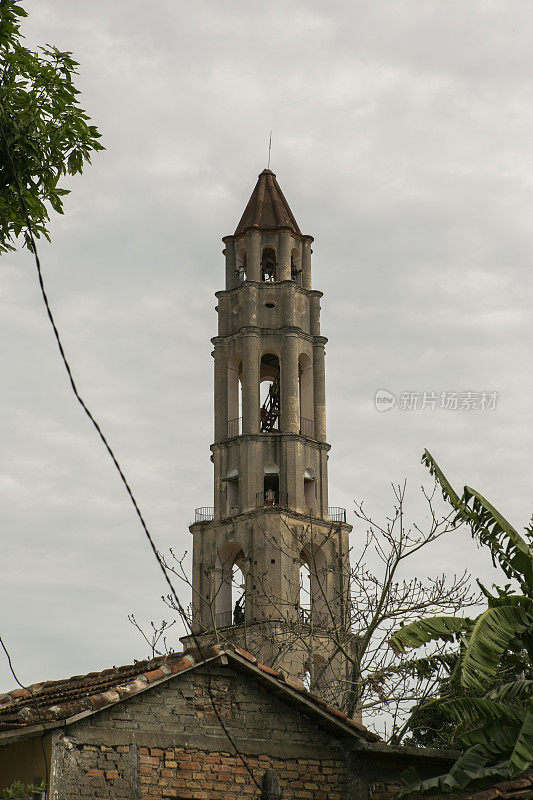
[[112, 455]]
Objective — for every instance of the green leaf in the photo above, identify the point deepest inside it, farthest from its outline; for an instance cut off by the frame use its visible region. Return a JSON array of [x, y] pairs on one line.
[[492, 634], [522, 756], [513, 692], [427, 630], [43, 134], [489, 527], [472, 711]]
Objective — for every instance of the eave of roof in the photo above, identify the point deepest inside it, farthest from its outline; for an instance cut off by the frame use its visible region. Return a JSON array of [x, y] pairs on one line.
[[44, 706]]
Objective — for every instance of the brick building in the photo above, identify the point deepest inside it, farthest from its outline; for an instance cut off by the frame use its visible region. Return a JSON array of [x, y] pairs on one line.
[[148, 730]]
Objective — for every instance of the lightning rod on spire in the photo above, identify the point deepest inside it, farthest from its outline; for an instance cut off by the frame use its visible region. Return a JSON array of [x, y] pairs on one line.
[[269, 149]]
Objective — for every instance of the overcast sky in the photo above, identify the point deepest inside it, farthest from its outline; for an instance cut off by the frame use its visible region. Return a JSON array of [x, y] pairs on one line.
[[402, 139]]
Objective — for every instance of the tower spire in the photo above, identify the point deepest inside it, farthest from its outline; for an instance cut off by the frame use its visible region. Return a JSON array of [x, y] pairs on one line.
[[267, 208]]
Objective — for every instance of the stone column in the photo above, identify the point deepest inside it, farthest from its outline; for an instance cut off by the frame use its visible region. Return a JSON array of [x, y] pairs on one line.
[[314, 305], [250, 382], [306, 262], [289, 384], [231, 263], [221, 392], [253, 256], [319, 386], [284, 256], [218, 499], [289, 305]]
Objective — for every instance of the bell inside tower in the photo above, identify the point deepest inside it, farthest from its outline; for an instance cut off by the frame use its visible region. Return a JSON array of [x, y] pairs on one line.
[[268, 265], [269, 395]]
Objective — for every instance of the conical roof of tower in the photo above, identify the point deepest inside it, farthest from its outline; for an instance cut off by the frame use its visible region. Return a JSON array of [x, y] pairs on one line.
[[267, 208]]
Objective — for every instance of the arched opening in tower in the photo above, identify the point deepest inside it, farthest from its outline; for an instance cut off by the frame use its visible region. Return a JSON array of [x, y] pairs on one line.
[[304, 596], [269, 393], [241, 266], [296, 267], [232, 492], [234, 396], [313, 587], [310, 488], [305, 395], [229, 596], [269, 266], [271, 495]]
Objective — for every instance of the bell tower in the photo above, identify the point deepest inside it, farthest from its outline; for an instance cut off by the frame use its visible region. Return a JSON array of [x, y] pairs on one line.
[[271, 558]]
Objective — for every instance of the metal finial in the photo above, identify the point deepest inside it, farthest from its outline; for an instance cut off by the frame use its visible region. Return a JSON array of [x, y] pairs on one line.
[[269, 149]]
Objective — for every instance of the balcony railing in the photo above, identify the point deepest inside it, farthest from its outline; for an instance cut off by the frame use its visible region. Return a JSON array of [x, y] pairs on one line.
[[336, 514], [234, 427], [271, 498], [307, 427], [204, 514]]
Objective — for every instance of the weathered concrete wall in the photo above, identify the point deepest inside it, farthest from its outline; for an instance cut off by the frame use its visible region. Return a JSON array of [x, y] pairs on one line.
[[168, 743]]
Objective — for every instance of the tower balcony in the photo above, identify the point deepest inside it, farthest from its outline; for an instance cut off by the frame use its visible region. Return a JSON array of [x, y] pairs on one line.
[[336, 514], [204, 514], [268, 499], [307, 427]]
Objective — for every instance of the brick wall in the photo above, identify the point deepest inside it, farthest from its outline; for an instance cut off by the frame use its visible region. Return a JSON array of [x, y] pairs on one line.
[[105, 772], [167, 743], [192, 773]]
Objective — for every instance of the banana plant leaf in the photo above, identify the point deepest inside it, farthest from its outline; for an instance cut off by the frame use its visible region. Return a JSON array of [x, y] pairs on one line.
[[470, 711], [513, 553], [471, 766], [491, 636], [522, 756], [427, 630], [513, 692], [508, 548], [498, 738]]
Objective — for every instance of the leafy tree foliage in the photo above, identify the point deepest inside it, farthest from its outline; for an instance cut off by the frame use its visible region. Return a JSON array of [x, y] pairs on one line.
[[22, 791], [489, 695], [44, 134]]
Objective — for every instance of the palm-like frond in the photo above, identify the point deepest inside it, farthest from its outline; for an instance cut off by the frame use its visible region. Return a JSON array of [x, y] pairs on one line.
[[512, 693], [491, 636], [496, 728], [508, 548], [473, 711], [522, 756], [472, 766], [429, 629], [513, 553]]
